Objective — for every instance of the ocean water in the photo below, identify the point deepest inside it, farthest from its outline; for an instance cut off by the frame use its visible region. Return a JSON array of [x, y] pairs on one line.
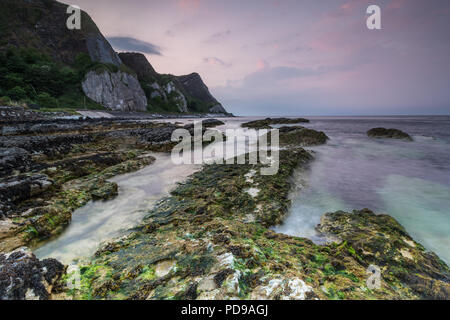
[[408, 180]]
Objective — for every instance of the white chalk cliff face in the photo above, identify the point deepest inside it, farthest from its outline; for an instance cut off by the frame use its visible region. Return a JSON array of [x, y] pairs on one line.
[[117, 91], [178, 97]]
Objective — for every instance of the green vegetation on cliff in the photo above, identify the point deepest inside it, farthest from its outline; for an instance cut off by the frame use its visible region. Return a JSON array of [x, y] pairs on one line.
[[29, 76]]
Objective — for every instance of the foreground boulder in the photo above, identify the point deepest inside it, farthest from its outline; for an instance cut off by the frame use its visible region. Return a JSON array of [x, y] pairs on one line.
[[24, 277], [388, 133], [266, 123]]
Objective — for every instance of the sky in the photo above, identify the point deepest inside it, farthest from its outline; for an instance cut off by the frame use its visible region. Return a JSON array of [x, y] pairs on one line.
[[293, 57]]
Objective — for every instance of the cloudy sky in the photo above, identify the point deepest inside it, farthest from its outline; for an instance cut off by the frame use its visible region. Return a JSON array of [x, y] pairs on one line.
[[294, 57]]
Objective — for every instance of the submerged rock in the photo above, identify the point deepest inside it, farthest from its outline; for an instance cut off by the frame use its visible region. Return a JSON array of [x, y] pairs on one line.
[[24, 277], [266, 123], [388, 133]]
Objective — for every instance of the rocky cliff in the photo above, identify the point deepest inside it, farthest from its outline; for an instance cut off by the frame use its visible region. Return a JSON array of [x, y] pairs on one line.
[[41, 24], [169, 92], [44, 63], [196, 88], [118, 91]]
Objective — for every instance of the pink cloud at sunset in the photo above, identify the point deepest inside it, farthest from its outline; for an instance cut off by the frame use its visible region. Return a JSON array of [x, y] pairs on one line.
[[305, 57]]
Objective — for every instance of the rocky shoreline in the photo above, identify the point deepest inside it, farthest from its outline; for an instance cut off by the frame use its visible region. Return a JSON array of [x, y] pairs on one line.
[[210, 239], [49, 168]]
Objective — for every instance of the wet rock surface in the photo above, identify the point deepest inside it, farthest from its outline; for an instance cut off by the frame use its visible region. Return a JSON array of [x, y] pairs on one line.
[[388, 134], [23, 276]]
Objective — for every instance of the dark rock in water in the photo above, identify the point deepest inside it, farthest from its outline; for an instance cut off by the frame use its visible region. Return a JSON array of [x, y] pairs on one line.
[[210, 123], [13, 159], [382, 241], [266, 123], [207, 123], [108, 191], [301, 136], [24, 277], [388, 133]]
